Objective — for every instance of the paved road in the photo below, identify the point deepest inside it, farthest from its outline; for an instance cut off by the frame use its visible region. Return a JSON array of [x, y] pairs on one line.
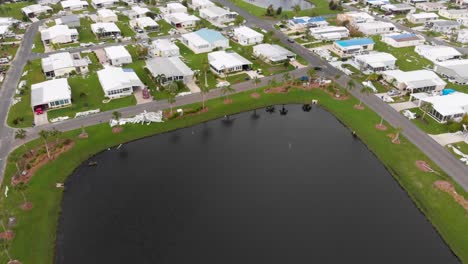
[[8, 89], [437, 153]]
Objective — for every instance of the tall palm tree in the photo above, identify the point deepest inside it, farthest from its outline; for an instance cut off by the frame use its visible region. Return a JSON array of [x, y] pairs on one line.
[[226, 90], [159, 79], [205, 67], [44, 134], [256, 81], [116, 115], [350, 85], [273, 82], [311, 73], [203, 91], [172, 88], [286, 77], [426, 108], [296, 9], [365, 91], [171, 100], [20, 134], [56, 134]]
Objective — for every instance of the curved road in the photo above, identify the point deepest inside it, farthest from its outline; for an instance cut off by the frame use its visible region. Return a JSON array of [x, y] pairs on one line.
[[442, 157]]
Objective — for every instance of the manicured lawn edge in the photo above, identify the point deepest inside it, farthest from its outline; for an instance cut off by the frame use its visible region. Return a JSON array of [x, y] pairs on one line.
[[35, 231]]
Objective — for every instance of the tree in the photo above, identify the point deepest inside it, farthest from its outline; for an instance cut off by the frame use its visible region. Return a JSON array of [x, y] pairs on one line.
[[270, 11], [205, 67], [56, 134], [286, 77], [116, 115], [100, 31], [239, 20], [296, 9], [226, 90], [21, 187], [364, 91], [172, 88], [311, 73], [286, 64], [350, 85], [20, 134], [171, 100], [279, 11], [426, 107], [44, 134], [256, 81], [273, 82], [160, 79], [203, 91]]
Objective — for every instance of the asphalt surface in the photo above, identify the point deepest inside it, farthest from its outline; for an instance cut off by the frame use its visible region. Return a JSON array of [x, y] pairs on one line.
[[442, 157]]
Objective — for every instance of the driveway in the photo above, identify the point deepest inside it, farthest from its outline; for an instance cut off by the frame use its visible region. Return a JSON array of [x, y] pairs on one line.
[[448, 138], [40, 120], [101, 56], [403, 106], [193, 87], [138, 93]]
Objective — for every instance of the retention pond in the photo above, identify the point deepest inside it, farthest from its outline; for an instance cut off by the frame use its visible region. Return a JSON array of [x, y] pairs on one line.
[[256, 187]]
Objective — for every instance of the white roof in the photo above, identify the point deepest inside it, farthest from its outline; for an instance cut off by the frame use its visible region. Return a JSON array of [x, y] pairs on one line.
[[168, 66], [3, 29], [376, 59], [359, 16], [181, 17], [164, 45], [73, 3], [116, 52], [36, 9], [436, 53], [374, 25], [103, 2], [327, 29], [8, 21], [106, 13], [57, 61], [460, 67], [222, 59], [112, 78], [175, 6], [214, 11], [246, 32], [57, 30], [414, 76], [423, 15], [144, 22], [140, 10], [50, 91], [108, 27], [202, 2], [451, 104], [272, 51]]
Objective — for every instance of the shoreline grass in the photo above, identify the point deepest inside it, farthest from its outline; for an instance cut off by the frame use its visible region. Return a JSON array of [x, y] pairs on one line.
[[35, 232]]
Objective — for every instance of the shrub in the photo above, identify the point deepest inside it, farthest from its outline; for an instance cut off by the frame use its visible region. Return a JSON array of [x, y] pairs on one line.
[[454, 126]]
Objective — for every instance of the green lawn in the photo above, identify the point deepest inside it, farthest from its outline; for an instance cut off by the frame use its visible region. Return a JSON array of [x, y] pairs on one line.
[[125, 29], [35, 232], [407, 58], [14, 9], [38, 44], [8, 50], [87, 94], [23, 109], [237, 78], [84, 31], [428, 125]]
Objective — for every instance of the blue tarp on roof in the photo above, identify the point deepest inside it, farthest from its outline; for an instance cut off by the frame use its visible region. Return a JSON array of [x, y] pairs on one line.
[[210, 35], [355, 42], [127, 70], [305, 20], [404, 35]]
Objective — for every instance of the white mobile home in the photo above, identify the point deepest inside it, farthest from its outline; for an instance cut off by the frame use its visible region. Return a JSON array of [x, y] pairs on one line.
[[118, 82], [222, 62], [118, 55], [247, 36]]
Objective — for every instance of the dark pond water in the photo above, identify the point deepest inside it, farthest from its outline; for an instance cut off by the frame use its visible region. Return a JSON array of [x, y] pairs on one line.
[[285, 4], [273, 189]]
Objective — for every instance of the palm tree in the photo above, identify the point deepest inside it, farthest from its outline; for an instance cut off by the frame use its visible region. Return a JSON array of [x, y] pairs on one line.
[[286, 77], [100, 31], [171, 100], [203, 91], [256, 81], [205, 67], [116, 115], [350, 85], [226, 90], [20, 134], [296, 9], [426, 108], [311, 73], [44, 134], [56, 134], [365, 91], [273, 82], [160, 79], [21, 187]]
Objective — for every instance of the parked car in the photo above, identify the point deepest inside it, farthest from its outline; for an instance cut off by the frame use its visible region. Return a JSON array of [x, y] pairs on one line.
[[139, 30], [393, 92], [38, 110], [290, 40], [146, 94]]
